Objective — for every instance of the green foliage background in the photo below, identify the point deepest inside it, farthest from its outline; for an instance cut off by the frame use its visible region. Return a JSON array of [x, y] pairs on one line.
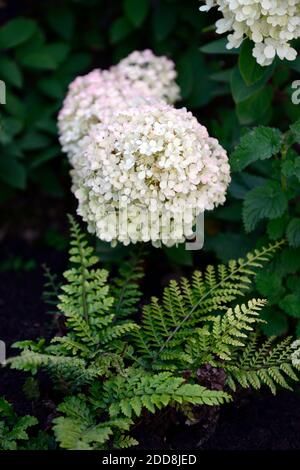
[[44, 45]]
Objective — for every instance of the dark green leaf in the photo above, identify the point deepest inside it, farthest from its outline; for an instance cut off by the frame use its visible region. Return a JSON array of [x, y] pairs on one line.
[[15, 106], [164, 20], [16, 32], [290, 304], [136, 10], [277, 323], [240, 91], [276, 227], [295, 128], [269, 286], [250, 70], [52, 87], [61, 19], [9, 127], [44, 157], [264, 202], [259, 144], [293, 232], [39, 60], [12, 172], [58, 51], [75, 64], [218, 47], [10, 72], [290, 261], [254, 108], [179, 255], [242, 182], [34, 141], [120, 29]]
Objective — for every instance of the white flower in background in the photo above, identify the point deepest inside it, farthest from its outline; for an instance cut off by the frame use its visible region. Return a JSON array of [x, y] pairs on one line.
[[157, 73], [148, 174], [296, 353], [92, 98], [270, 24]]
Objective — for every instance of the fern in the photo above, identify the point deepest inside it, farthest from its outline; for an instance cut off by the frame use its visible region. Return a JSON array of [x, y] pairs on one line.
[[167, 324], [13, 429], [126, 369], [51, 290], [86, 302], [78, 429], [125, 287], [266, 364], [128, 394], [83, 426], [94, 335]]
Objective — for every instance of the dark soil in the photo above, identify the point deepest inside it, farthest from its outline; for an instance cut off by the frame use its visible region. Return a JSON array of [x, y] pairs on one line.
[[23, 313], [253, 422]]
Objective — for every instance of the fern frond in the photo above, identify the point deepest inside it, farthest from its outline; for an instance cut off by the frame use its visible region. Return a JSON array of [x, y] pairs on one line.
[[79, 430], [269, 364], [186, 304], [128, 395], [13, 428], [73, 371], [126, 286], [51, 290], [232, 328]]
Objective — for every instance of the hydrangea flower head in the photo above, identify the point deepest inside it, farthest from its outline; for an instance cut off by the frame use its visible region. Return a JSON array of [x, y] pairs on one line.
[[270, 24], [92, 98], [157, 73], [296, 353], [148, 174]]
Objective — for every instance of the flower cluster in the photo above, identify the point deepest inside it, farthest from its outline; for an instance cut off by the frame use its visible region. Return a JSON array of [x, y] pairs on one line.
[[296, 353], [158, 74], [94, 97], [271, 24], [148, 174], [141, 169]]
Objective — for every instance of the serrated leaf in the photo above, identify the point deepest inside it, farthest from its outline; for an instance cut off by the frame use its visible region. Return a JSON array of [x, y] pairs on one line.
[[290, 304], [259, 144], [276, 227], [293, 232], [295, 128], [276, 322], [269, 285], [267, 201]]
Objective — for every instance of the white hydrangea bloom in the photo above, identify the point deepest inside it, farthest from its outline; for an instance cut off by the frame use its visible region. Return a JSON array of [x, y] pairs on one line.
[[157, 73], [92, 98], [271, 24], [148, 174], [296, 353]]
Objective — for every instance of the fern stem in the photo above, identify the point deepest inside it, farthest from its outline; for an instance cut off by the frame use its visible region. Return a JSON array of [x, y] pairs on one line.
[[208, 294], [83, 281], [135, 260]]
